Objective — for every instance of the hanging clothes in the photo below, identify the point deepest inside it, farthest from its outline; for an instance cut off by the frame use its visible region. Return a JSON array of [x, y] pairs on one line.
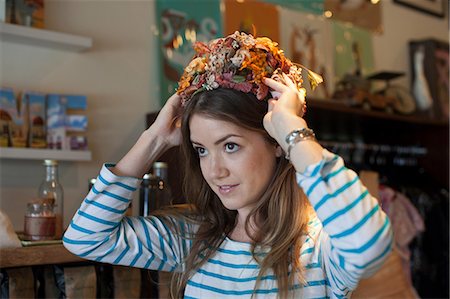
[[407, 223]]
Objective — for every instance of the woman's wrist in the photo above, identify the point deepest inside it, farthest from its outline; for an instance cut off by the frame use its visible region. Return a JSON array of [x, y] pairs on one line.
[[139, 159], [284, 125]]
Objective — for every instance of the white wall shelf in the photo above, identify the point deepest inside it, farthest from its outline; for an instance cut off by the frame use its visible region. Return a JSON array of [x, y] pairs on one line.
[[42, 154], [44, 38]]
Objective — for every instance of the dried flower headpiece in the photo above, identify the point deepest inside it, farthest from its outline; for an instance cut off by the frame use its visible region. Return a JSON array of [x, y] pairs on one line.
[[239, 61]]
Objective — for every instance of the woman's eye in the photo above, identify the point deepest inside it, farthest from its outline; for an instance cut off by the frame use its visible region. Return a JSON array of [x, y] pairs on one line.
[[201, 151], [231, 147]]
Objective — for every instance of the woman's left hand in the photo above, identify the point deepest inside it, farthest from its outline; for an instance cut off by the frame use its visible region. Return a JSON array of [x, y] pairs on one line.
[[285, 113]]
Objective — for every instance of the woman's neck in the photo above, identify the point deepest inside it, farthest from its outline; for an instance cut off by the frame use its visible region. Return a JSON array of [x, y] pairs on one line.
[[239, 233]]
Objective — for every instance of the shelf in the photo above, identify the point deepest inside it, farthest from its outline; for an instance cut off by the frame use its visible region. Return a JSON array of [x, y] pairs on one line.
[[44, 38], [42, 154], [337, 106], [36, 255]]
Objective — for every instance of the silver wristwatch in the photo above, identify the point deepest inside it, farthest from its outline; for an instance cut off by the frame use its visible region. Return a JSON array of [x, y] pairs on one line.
[[296, 136]]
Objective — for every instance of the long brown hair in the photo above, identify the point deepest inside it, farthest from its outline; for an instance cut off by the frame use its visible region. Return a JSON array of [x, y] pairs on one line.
[[283, 209]]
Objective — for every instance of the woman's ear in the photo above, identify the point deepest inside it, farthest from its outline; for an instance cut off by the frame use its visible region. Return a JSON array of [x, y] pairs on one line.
[[278, 151]]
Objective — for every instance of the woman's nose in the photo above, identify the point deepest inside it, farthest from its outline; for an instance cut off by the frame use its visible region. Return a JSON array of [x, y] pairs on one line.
[[218, 168]]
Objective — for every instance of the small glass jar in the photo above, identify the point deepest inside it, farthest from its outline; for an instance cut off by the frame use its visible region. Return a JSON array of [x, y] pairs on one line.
[[39, 222]]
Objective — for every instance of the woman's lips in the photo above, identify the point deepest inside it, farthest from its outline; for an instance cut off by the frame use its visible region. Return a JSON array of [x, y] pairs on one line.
[[227, 189]]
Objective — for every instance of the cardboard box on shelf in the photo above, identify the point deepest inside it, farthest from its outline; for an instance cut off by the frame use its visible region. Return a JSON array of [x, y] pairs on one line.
[[36, 110], [76, 123], [66, 121], [25, 12], [12, 120], [56, 121]]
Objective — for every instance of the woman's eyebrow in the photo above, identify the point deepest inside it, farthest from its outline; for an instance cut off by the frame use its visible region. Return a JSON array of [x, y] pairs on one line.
[[219, 140]]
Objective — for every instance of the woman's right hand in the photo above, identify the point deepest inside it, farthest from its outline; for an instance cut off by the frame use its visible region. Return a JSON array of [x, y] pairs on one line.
[[167, 123], [163, 134]]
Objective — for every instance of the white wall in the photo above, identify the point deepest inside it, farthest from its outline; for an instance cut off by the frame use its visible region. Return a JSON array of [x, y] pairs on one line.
[[119, 75]]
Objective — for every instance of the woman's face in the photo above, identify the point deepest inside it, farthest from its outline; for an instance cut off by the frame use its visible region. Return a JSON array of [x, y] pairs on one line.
[[236, 163]]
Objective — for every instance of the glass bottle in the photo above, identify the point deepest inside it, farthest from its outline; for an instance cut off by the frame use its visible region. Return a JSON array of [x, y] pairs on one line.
[[148, 194], [161, 170], [51, 192]]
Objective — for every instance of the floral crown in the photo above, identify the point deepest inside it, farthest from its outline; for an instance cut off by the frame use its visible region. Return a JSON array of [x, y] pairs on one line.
[[239, 61]]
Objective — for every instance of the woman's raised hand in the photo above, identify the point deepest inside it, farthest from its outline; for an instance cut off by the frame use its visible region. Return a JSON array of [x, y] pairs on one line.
[[285, 109], [286, 114], [153, 142], [167, 123]]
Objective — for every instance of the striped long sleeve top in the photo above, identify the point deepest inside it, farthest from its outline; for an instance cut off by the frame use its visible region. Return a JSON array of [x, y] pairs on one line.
[[349, 238]]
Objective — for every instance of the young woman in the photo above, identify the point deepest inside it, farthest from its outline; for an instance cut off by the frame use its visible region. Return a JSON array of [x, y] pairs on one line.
[[271, 213]]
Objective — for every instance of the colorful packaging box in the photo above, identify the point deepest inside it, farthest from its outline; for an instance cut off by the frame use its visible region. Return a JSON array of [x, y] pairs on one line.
[[56, 121], [25, 12], [36, 110], [13, 121], [66, 122], [76, 123]]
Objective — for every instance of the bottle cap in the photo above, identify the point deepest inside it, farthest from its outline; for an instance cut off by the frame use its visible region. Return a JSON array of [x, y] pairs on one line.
[[50, 162], [149, 176], [160, 165]]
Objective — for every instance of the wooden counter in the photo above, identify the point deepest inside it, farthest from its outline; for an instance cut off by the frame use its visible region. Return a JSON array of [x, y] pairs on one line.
[[36, 255]]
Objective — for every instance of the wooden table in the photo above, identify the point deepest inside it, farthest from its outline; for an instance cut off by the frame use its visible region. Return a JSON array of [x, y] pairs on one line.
[[36, 255]]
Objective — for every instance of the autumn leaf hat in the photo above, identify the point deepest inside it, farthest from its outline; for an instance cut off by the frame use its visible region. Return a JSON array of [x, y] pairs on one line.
[[239, 61]]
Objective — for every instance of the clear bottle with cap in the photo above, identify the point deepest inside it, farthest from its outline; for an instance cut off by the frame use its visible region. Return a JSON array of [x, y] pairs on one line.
[[52, 192], [148, 194], [161, 170]]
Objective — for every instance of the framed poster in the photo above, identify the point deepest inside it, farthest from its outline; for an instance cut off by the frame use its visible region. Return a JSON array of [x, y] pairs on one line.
[[434, 7], [252, 17], [306, 39], [353, 52], [181, 24]]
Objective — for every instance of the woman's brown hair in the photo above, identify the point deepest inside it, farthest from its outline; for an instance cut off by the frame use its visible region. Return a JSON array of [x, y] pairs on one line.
[[283, 211]]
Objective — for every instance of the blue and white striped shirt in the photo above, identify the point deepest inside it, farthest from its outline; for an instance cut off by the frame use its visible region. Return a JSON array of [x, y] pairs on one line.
[[348, 238]]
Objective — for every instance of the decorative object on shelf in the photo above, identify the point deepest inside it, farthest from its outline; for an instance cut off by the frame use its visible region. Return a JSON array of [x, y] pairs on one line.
[[25, 12], [420, 87], [434, 7], [392, 96], [433, 73], [52, 191]]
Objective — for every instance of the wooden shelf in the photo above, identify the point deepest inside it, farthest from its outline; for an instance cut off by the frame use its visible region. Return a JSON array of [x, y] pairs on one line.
[[339, 106], [36, 255], [42, 154], [44, 38]]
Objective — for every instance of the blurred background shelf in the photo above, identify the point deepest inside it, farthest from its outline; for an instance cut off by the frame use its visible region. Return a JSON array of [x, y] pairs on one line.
[[42, 154], [340, 106], [44, 38]]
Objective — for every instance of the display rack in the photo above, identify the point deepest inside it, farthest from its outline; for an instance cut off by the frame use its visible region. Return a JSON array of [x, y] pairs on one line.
[[44, 38], [42, 154]]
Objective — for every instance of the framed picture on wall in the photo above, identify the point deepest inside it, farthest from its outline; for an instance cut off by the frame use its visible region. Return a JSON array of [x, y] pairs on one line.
[[434, 7]]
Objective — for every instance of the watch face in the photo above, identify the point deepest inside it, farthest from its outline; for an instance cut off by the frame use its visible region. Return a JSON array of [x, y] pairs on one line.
[[403, 100]]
